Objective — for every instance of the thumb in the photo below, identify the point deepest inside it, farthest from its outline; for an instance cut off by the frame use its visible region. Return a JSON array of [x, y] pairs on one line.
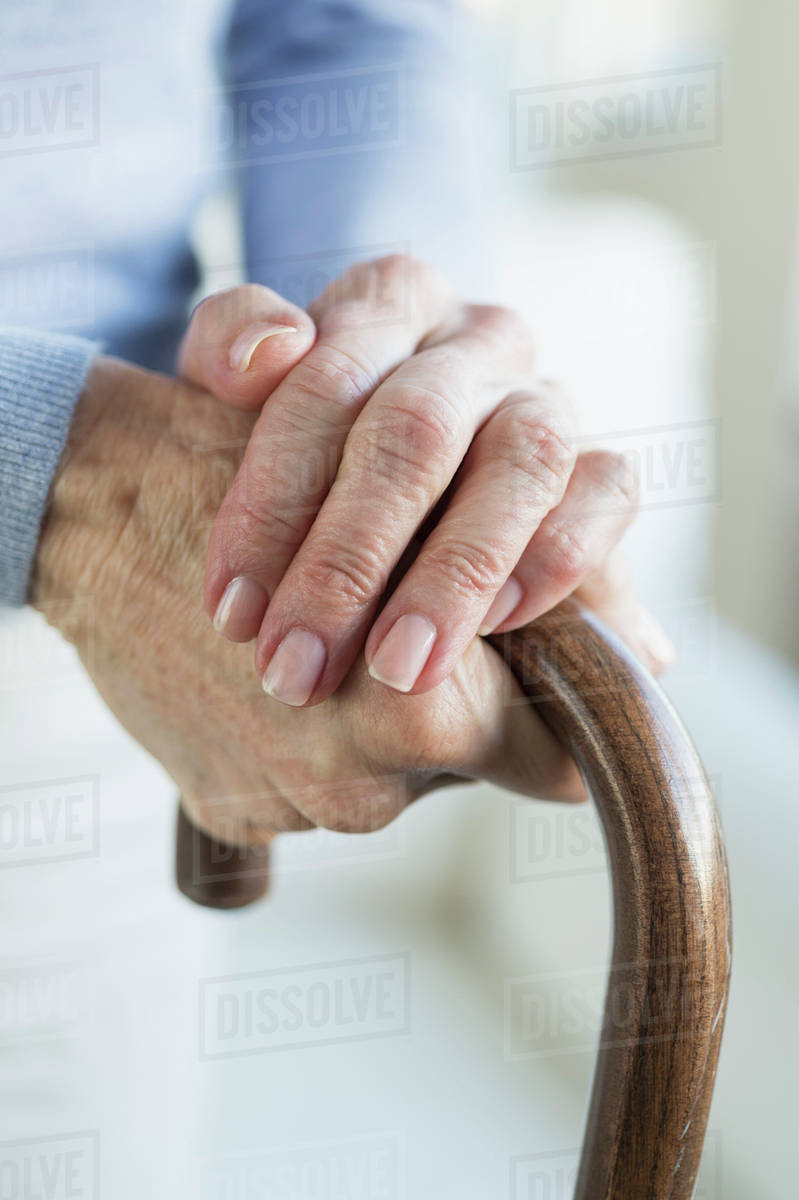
[[241, 343]]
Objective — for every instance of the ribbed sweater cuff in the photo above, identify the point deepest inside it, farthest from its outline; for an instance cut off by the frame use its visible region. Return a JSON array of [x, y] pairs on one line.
[[41, 378]]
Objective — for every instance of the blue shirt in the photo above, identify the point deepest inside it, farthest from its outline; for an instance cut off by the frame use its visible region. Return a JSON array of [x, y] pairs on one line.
[[345, 130]]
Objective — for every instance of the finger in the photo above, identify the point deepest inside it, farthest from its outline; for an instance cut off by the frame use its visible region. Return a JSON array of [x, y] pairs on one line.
[[401, 455], [609, 592], [476, 725], [369, 322], [572, 542], [241, 343], [516, 472], [575, 551]]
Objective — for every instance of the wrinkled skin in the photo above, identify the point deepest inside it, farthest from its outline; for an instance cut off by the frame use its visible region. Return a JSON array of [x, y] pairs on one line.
[[133, 502]]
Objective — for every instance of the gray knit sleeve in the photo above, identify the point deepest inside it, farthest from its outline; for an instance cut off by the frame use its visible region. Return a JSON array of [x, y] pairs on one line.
[[41, 377]]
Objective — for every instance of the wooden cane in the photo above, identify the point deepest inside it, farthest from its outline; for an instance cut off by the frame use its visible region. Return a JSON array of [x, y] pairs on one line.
[[669, 975]]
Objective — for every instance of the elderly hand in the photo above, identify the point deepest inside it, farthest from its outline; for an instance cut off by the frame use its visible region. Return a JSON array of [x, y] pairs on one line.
[[389, 410], [119, 570]]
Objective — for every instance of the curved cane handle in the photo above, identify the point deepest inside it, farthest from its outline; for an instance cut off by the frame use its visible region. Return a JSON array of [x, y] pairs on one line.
[[669, 975]]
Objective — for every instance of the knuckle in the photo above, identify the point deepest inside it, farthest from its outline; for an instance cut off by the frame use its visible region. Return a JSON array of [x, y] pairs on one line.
[[377, 289], [615, 474], [504, 332], [445, 360], [349, 577], [540, 450], [552, 453], [370, 287], [260, 525], [472, 570], [425, 421], [331, 375], [353, 313], [402, 268], [502, 324], [399, 281], [566, 556]]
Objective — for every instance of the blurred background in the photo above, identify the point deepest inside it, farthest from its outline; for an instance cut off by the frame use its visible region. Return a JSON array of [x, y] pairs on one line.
[[658, 267]]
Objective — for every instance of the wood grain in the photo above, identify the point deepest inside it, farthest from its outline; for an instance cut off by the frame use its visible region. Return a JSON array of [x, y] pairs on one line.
[[669, 975], [669, 978]]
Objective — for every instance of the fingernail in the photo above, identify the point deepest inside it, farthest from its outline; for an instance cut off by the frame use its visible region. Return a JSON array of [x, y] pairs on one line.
[[241, 609], [506, 599], [295, 667], [247, 343], [403, 652], [654, 638]]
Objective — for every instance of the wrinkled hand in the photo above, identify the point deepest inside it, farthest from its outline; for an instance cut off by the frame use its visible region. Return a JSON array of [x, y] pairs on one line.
[[122, 553], [390, 408]]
